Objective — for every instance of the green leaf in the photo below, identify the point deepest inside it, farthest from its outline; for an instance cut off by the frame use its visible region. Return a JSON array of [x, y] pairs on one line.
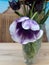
[[35, 18], [24, 8], [31, 10], [34, 15], [18, 14], [40, 16], [45, 18]]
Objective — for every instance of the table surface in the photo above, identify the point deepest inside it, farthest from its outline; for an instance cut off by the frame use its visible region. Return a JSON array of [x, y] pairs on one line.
[[11, 54]]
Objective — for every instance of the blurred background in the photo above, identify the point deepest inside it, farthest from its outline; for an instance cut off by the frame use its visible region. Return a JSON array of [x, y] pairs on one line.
[[7, 15]]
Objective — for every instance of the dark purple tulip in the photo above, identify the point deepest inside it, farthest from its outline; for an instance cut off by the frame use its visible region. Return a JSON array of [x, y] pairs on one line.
[[38, 4], [29, 1], [25, 30], [14, 5]]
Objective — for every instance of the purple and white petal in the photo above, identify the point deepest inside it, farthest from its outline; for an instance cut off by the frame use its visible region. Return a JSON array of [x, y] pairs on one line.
[[26, 41], [13, 32], [26, 25], [22, 19], [12, 28], [39, 35], [16, 38], [35, 38], [34, 25]]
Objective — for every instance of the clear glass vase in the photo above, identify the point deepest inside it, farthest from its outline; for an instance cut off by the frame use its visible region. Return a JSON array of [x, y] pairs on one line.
[[30, 50]]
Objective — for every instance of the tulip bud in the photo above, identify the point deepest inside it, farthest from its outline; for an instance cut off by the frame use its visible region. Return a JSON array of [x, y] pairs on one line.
[[14, 4]]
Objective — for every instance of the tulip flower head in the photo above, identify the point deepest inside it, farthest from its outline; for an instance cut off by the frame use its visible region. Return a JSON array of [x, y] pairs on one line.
[[24, 30], [14, 4]]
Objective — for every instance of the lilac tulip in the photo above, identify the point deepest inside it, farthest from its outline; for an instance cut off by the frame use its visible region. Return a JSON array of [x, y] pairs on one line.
[[24, 30]]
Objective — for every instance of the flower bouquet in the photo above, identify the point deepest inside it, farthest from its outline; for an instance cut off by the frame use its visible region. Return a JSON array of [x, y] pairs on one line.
[[27, 29]]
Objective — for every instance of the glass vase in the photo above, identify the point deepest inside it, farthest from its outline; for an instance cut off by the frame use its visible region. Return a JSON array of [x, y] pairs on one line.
[[30, 50]]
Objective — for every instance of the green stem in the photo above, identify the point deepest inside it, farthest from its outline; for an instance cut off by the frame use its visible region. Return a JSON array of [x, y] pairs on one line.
[[31, 10], [24, 8], [19, 14], [34, 15]]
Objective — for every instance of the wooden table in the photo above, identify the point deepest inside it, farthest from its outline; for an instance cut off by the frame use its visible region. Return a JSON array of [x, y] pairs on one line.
[[11, 54]]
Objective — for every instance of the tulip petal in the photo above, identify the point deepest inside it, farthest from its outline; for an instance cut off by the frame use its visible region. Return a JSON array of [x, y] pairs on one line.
[[34, 25], [39, 35], [23, 19], [12, 28], [26, 41], [16, 38], [13, 31], [26, 25]]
